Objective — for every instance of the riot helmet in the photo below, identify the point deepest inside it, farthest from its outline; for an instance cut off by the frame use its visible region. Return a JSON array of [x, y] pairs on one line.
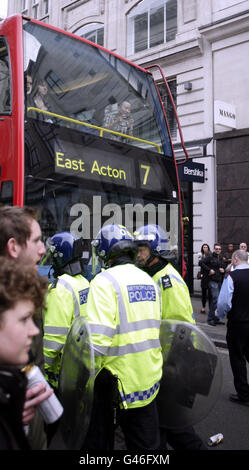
[[113, 241], [68, 253], [156, 239]]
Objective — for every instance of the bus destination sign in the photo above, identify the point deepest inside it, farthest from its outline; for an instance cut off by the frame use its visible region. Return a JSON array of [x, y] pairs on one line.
[[89, 163], [73, 160]]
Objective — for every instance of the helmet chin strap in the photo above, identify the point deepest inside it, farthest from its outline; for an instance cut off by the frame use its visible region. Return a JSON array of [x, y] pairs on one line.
[[73, 268], [148, 261]]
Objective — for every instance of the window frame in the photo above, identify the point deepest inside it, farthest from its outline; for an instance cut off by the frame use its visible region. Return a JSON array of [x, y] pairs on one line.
[[7, 192], [131, 40], [24, 6], [170, 113], [8, 113], [94, 32], [46, 7], [35, 9]]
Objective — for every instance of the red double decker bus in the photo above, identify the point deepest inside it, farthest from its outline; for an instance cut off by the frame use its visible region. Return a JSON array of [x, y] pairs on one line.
[[83, 135]]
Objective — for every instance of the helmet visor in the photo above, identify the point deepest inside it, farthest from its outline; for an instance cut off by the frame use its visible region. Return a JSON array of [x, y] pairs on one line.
[[97, 261], [48, 255]]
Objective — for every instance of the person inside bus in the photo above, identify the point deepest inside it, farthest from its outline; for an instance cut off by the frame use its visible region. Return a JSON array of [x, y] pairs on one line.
[[118, 118], [29, 84], [41, 102], [29, 88]]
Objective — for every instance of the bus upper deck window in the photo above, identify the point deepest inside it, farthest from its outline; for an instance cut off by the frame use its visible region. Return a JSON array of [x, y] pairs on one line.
[[4, 78]]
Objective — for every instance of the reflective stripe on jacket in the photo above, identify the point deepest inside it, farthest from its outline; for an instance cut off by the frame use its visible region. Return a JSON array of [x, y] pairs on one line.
[[66, 300], [176, 301], [124, 312]]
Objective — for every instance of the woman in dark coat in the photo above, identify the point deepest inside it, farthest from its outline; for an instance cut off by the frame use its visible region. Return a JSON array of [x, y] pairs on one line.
[[205, 278]]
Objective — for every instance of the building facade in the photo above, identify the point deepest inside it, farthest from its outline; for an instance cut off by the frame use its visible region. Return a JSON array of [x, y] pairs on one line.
[[201, 46]]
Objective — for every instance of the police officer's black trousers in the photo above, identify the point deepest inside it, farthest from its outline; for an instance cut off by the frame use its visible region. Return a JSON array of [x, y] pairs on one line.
[[100, 435], [238, 346], [140, 426]]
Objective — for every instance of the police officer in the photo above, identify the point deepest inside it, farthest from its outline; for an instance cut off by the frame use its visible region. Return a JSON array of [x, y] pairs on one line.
[[66, 299], [154, 258], [123, 312]]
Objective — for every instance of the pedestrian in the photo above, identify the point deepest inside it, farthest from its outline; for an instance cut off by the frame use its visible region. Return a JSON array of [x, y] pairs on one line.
[[214, 266], [123, 312], [227, 257], [66, 298], [204, 275], [176, 305], [233, 301], [22, 292], [243, 246], [20, 240], [20, 234]]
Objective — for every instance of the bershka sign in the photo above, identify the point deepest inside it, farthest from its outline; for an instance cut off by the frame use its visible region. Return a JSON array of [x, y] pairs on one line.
[[192, 172], [225, 114]]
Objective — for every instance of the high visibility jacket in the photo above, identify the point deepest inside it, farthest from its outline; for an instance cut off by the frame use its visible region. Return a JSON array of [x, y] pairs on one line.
[[176, 302], [123, 312], [66, 300]]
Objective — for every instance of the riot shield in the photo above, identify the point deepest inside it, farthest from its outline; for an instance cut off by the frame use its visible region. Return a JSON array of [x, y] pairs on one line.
[[76, 384], [192, 375]]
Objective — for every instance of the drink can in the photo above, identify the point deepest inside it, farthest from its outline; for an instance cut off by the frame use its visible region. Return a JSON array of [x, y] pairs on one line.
[[216, 439], [51, 408]]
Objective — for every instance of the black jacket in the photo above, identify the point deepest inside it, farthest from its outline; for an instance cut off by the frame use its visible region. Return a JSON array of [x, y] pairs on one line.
[[239, 312], [13, 384], [205, 278], [215, 262]]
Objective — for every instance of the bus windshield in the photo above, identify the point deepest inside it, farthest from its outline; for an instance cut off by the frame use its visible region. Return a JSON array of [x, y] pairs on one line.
[[72, 83], [85, 137], [79, 182]]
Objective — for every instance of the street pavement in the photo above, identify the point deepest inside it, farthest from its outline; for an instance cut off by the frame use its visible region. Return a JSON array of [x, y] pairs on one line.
[[216, 333]]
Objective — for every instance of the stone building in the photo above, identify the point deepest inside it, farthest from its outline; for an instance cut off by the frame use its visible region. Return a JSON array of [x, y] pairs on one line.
[[202, 47]]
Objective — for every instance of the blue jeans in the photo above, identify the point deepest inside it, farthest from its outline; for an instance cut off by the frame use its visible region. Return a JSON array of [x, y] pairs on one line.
[[214, 288]]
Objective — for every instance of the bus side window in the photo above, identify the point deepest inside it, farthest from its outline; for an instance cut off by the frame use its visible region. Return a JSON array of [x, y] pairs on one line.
[[6, 193], [4, 78]]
